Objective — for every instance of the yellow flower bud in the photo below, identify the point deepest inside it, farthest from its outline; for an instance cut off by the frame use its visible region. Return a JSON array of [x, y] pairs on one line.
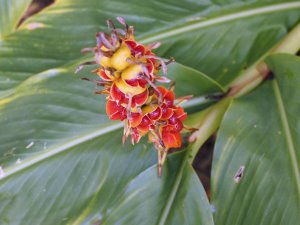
[[118, 60], [131, 72]]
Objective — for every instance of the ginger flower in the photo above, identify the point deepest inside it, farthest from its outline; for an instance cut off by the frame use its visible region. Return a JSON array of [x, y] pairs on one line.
[[128, 72]]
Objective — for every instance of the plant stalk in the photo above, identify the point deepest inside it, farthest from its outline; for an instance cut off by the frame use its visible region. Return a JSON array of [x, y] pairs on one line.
[[259, 71], [210, 120]]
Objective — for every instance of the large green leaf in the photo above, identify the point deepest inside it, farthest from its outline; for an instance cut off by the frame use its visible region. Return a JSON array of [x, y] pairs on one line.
[[63, 157], [218, 37], [176, 198], [55, 106], [99, 180], [261, 132], [11, 12]]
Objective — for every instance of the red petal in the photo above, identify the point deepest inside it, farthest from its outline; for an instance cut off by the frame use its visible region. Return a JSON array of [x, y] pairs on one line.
[[169, 98], [135, 136], [103, 75], [142, 82], [132, 82], [173, 119], [115, 111], [131, 45], [140, 49], [156, 114], [150, 66], [145, 124], [116, 94], [140, 99], [166, 112]]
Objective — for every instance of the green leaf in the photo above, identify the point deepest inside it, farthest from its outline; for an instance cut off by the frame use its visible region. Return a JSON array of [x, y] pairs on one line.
[[176, 198], [63, 160], [219, 38], [10, 15], [260, 132], [55, 106], [73, 180]]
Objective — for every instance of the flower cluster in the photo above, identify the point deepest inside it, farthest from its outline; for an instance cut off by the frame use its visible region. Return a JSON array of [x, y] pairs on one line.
[[128, 74]]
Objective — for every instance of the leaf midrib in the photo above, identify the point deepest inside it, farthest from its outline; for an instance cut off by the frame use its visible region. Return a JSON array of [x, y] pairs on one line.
[[59, 149], [287, 134], [182, 28], [176, 30], [171, 197], [79, 140]]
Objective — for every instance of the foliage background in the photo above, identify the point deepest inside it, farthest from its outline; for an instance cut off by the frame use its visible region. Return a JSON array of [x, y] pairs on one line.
[[62, 161]]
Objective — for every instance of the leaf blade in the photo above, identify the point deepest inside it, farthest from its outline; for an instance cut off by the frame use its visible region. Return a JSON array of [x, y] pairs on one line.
[[11, 13], [254, 134]]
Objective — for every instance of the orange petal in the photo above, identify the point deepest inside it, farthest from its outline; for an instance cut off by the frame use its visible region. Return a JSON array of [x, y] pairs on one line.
[[145, 124], [171, 140], [162, 90], [136, 119], [180, 114]]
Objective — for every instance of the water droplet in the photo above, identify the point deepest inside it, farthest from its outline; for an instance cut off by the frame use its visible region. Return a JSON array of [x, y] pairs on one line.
[[18, 161], [30, 145], [213, 208], [196, 18], [33, 26], [2, 173], [109, 210]]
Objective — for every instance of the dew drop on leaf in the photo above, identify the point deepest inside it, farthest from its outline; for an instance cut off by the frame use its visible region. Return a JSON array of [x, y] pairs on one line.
[[30, 145], [18, 161], [2, 173]]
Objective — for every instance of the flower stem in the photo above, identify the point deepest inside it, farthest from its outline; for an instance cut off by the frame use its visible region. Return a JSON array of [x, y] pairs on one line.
[[207, 122]]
